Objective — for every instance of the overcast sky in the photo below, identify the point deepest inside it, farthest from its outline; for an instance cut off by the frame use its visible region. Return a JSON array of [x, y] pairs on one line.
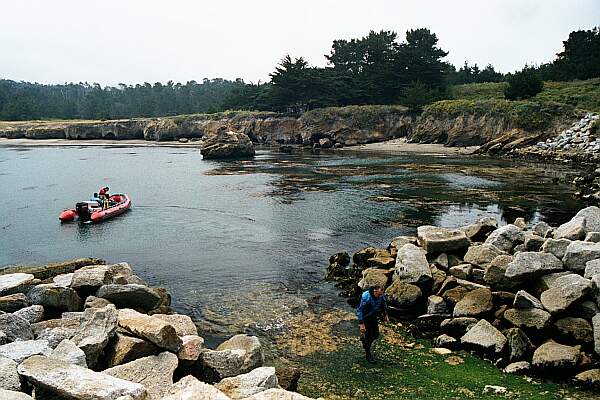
[[133, 41]]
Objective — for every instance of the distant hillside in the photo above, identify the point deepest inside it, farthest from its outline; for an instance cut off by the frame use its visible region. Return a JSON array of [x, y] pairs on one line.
[[584, 95]]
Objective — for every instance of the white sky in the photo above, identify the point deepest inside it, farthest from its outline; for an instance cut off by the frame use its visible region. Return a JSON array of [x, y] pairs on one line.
[[133, 41]]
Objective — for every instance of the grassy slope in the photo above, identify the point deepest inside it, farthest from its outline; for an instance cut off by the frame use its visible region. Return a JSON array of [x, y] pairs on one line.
[[580, 94], [414, 372]]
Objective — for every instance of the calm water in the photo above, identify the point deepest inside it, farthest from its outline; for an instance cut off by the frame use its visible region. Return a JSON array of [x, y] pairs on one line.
[[240, 245]]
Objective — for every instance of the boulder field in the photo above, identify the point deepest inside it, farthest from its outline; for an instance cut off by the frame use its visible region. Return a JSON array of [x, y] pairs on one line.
[[525, 297], [84, 329]]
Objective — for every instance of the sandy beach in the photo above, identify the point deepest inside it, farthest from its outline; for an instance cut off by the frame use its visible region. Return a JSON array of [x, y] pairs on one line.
[[392, 146], [403, 146]]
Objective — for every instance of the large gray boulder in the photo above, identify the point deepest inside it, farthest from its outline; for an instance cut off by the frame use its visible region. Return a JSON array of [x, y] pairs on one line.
[[130, 296], [480, 228], [68, 351], [124, 348], [191, 348], [494, 273], [434, 239], [245, 385], [557, 247], [226, 144], [98, 326], [53, 296], [412, 265], [219, 364], [525, 300], [542, 229], [183, 324], [31, 314], [528, 318], [475, 304], [56, 330], [592, 218], [155, 330], [9, 377], [566, 290], [19, 351], [189, 388], [591, 268], [89, 279], [436, 305], [484, 337], [155, 373], [15, 328], [596, 331], [578, 253], [372, 277], [506, 238], [552, 356], [530, 265], [15, 283], [13, 395], [574, 330], [13, 302], [402, 295], [572, 230], [72, 381], [253, 357], [482, 255], [457, 326], [518, 344]]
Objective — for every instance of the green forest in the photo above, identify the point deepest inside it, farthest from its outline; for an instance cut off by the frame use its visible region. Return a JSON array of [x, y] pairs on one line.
[[379, 68]]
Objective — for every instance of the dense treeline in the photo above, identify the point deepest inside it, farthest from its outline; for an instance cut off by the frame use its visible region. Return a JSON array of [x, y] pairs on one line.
[[23, 101], [375, 69]]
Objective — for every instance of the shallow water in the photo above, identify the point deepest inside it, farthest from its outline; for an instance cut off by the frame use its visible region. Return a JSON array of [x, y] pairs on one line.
[[243, 245]]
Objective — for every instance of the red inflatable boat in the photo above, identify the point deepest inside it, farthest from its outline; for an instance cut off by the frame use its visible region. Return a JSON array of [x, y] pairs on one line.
[[90, 211]]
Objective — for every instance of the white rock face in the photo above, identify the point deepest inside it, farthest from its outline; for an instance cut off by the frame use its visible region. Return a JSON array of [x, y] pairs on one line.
[[578, 253], [506, 237], [98, 325], [245, 385], [12, 395], [155, 373], [13, 283], [191, 347], [484, 336], [183, 324], [572, 230], [190, 388], [152, 329], [76, 382], [412, 265], [434, 239], [9, 378], [278, 394], [68, 351], [566, 290], [19, 351]]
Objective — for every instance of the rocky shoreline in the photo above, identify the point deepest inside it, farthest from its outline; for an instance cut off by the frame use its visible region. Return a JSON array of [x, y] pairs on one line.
[[525, 297], [84, 329]]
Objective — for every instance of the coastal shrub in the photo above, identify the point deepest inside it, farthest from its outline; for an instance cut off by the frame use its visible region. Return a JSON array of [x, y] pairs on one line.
[[363, 116], [525, 114], [523, 84]]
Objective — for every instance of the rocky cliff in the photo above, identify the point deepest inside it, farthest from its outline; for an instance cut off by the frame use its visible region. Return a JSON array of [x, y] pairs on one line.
[[496, 125], [347, 126]]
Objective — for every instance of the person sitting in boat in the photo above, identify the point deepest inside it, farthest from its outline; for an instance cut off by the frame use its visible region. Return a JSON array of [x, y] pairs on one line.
[[97, 199]]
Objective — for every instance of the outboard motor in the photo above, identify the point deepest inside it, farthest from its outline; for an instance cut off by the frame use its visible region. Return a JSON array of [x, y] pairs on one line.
[[83, 211]]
